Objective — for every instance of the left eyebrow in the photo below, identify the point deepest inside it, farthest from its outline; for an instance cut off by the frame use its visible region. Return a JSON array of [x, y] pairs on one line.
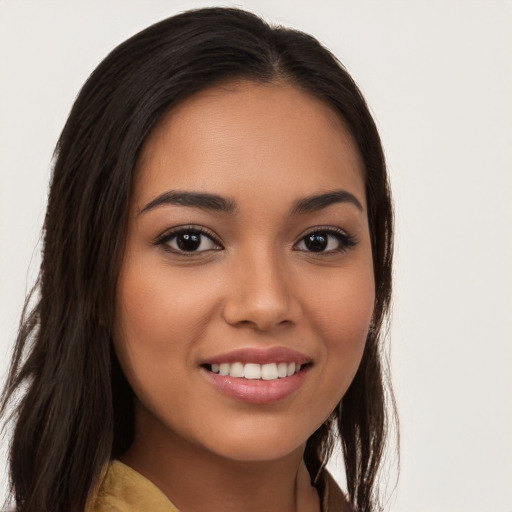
[[319, 201], [200, 200]]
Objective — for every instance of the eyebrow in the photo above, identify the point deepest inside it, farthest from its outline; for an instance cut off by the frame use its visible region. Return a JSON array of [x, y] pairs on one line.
[[200, 200], [214, 202], [319, 201]]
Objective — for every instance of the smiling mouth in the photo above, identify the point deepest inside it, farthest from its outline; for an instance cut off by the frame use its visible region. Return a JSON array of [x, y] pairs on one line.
[[255, 371]]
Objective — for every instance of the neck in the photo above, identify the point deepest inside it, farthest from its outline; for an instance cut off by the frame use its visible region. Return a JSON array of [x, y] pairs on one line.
[[195, 479]]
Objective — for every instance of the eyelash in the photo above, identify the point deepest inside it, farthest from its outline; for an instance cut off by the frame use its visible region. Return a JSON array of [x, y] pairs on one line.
[[344, 240]]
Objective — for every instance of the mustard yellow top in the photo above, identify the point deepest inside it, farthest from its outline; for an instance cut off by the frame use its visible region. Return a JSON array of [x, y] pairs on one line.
[[125, 490], [122, 489]]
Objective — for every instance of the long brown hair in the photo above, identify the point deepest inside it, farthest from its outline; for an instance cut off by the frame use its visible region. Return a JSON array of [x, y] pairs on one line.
[[76, 408]]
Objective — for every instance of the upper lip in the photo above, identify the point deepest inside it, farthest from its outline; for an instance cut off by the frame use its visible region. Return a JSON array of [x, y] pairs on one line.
[[259, 356]]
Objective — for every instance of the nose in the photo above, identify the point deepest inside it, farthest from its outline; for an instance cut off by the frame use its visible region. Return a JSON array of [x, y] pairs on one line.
[[260, 294]]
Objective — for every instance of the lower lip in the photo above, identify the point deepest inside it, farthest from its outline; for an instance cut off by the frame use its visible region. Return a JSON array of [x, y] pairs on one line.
[[256, 391]]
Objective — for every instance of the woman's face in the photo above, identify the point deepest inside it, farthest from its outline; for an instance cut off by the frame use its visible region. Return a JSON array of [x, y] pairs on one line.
[[248, 253]]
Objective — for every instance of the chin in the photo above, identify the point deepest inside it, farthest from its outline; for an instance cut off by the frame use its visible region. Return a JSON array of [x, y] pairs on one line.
[[259, 450], [259, 443]]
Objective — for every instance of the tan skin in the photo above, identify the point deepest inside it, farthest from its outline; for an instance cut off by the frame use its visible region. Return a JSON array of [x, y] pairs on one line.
[[253, 281]]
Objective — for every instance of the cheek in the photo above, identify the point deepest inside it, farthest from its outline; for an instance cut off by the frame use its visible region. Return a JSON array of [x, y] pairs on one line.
[[149, 331], [342, 307], [154, 306], [341, 313], [161, 316], [146, 319]]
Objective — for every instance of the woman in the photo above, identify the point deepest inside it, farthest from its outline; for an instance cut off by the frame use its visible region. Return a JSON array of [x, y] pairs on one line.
[[216, 273]]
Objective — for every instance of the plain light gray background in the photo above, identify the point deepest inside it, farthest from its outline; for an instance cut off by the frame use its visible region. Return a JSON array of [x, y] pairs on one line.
[[438, 77]]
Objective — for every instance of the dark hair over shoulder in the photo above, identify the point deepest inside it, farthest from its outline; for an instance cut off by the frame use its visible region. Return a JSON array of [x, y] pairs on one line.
[[76, 408]]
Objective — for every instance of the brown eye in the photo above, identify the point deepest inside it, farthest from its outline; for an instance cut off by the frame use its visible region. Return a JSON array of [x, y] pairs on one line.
[[317, 242], [188, 241], [326, 241]]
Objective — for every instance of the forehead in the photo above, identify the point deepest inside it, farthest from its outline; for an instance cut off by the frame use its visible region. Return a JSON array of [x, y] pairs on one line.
[[246, 135]]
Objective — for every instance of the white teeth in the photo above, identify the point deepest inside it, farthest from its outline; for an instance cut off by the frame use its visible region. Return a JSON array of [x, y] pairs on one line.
[[269, 371], [237, 370], [254, 371], [282, 370]]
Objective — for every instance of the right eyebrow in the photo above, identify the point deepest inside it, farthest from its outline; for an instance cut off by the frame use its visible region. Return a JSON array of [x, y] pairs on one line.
[[200, 200]]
